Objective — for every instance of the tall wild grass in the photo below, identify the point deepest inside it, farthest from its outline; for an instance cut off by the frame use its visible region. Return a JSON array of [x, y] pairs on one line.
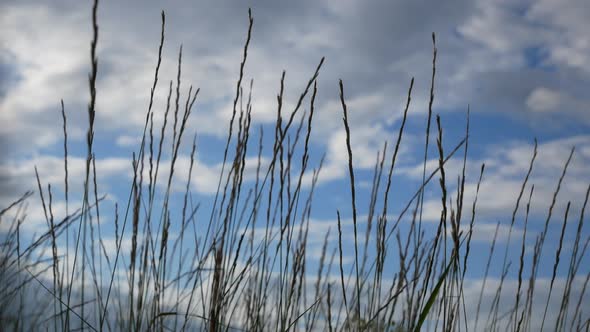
[[243, 264]]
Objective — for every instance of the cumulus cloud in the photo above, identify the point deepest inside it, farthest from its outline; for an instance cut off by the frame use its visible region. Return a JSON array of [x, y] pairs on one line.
[[543, 100], [128, 141], [20, 175], [31, 102], [506, 168], [482, 48], [572, 46]]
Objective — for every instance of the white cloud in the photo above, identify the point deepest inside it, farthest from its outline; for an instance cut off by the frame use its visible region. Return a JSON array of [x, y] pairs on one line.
[[205, 178], [21, 174], [549, 100], [128, 141], [506, 166], [543, 100], [34, 97], [572, 47], [507, 300], [497, 25]]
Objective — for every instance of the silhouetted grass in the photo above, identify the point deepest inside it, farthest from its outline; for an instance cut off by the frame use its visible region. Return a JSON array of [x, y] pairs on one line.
[[245, 266]]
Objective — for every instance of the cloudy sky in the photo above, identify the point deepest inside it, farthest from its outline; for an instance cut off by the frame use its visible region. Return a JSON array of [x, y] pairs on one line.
[[522, 67]]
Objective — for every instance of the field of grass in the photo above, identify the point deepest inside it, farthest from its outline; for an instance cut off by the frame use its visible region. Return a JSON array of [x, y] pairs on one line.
[[243, 263]]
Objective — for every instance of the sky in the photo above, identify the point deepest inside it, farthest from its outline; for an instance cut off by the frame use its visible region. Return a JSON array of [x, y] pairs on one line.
[[521, 67]]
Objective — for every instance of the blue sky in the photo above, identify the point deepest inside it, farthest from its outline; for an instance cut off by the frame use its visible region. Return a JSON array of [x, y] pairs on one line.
[[523, 67]]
